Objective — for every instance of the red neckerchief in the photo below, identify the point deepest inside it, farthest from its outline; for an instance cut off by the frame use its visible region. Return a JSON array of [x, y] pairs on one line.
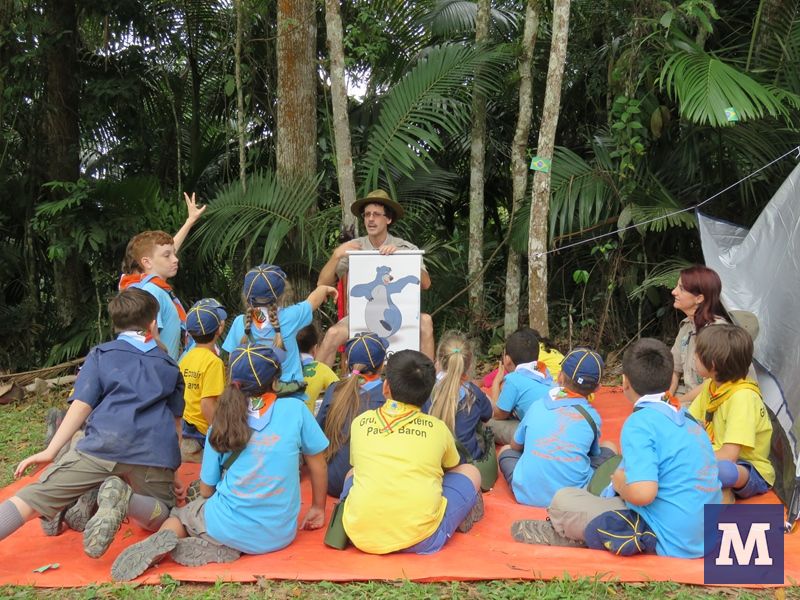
[[128, 279]]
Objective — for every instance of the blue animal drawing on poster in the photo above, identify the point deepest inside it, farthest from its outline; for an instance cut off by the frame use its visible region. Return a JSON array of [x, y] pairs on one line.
[[381, 314]]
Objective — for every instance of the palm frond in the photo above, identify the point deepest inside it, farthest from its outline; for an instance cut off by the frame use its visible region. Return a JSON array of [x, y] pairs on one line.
[[265, 214], [431, 98], [705, 87], [665, 274]]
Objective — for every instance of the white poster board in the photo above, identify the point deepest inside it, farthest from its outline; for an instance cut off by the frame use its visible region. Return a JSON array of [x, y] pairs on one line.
[[384, 296]]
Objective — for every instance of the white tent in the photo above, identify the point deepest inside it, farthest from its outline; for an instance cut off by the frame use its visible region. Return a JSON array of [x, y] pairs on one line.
[[760, 272]]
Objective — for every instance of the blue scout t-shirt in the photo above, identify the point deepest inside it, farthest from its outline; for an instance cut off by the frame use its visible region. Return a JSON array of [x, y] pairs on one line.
[[467, 420], [659, 443], [170, 328], [371, 396], [136, 391], [291, 319], [257, 501], [558, 442], [521, 388]]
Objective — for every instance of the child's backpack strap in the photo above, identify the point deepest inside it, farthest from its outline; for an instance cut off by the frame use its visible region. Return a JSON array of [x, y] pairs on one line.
[[585, 414], [230, 460]]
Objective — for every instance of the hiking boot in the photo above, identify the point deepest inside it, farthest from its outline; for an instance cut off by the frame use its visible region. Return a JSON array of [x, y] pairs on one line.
[[77, 516], [474, 515], [52, 421], [136, 559], [112, 506], [52, 526], [195, 552], [193, 491], [541, 532]]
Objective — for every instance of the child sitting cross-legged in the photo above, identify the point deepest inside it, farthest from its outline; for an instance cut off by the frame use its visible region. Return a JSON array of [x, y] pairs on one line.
[[317, 375], [733, 412], [407, 492], [557, 443], [667, 475], [521, 381], [362, 390], [249, 479]]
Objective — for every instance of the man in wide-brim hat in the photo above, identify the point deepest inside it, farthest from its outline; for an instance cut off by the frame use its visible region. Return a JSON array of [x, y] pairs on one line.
[[378, 211]]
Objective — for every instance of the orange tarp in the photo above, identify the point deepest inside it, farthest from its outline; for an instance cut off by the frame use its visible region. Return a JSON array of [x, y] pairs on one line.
[[486, 552]]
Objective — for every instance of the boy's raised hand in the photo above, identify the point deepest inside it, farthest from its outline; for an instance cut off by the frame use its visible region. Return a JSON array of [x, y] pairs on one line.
[[193, 212], [314, 519]]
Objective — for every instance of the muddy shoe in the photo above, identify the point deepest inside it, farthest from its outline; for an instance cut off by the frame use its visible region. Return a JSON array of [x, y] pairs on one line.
[[474, 515], [52, 526], [136, 559], [52, 422], [195, 552], [541, 532], [193, 491], [112, 506], [77, 516], [191, 451]]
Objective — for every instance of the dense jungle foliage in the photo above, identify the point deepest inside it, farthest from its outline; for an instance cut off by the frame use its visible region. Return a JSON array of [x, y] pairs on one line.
[[110, 110]]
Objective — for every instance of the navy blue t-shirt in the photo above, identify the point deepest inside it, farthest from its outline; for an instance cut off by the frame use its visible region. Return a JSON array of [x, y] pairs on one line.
[[135, 390], [467, 419], [371, 394]]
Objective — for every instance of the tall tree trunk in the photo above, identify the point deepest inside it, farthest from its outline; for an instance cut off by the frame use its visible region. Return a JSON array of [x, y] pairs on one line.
[[240, 125], [341, 123], [62, 136], [519, 164], [540, 196], [476, 181], [296, 126]]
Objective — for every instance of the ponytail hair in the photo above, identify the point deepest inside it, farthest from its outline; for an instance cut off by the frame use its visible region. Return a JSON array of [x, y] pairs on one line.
[[455, 358], [344, 408], [230, 431]]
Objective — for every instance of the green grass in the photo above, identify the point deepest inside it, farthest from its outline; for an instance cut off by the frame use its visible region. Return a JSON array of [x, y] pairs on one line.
[[22, 433]]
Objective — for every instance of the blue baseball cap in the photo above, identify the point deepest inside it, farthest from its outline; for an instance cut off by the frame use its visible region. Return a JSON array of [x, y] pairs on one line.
[[254, 366], [583, 366], [366, 349], [622, 532], [205, 316], [263, 285]]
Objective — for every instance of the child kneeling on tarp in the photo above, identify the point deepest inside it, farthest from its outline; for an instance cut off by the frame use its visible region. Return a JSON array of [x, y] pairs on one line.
[[731, 408], [668, 473], [249, 479], [407, 492]]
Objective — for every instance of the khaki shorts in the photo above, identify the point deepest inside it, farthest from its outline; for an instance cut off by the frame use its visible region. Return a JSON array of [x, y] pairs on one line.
[[573, 508], [76, 473], [193, 518]]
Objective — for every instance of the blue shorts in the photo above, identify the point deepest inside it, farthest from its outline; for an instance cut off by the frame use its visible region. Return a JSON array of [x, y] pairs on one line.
[[461, 496], [755, 485], [190, 431]]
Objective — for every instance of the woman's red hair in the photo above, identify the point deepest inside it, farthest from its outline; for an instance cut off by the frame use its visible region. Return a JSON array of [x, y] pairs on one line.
[[698, 280]]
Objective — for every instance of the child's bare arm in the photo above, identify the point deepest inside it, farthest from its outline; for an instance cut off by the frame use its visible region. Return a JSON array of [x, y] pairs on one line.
[[640, 493], [76, 416], [317, 297], [193, 214], [206, 491], [515, 446], [729, 452], [207, 406], [318, 470]]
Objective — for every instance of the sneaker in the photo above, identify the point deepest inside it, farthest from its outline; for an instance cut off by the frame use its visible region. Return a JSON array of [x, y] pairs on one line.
[[541, 532], [193, 491], [195, 552], [77, 516], [474, 515], [136, 559], [52, 526], [112, 506], [52, 421]]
